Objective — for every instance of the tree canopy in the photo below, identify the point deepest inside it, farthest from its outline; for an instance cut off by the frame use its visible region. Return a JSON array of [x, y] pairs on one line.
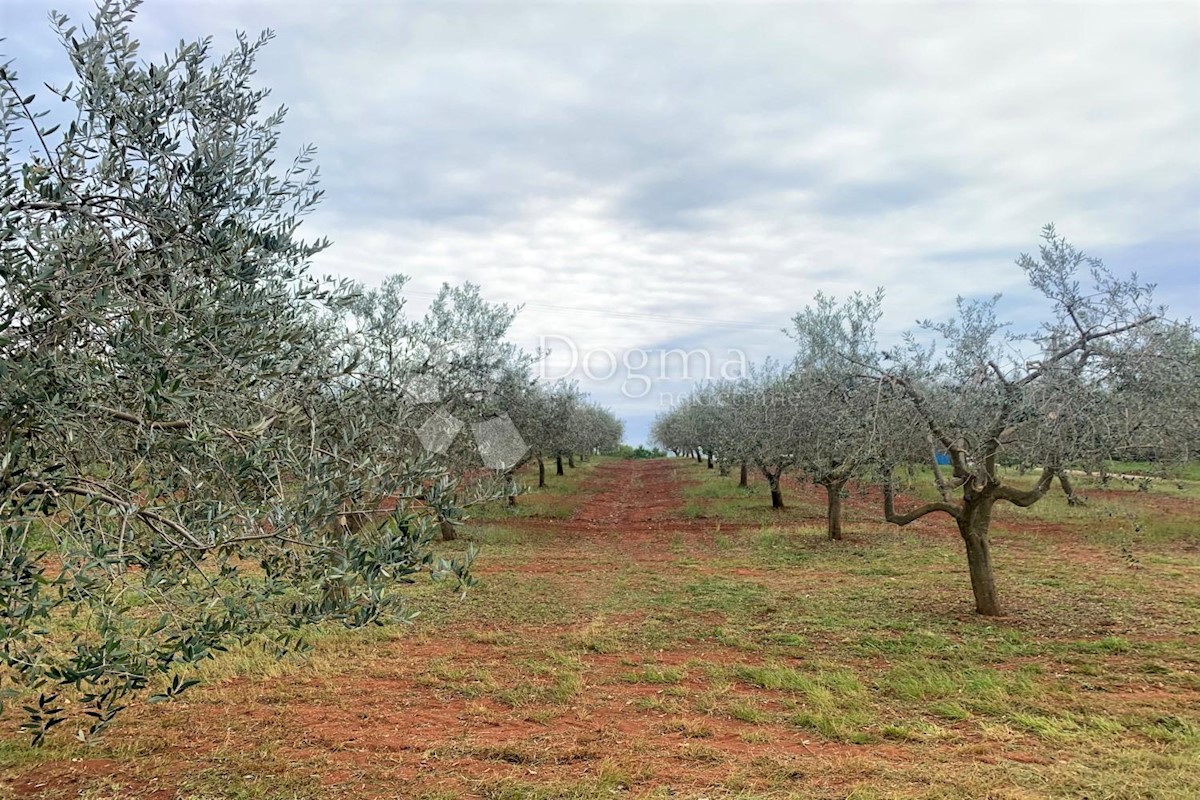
[[1106, 374], [201, 441]]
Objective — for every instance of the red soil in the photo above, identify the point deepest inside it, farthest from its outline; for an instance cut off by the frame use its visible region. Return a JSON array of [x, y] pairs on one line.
[[385, 728]]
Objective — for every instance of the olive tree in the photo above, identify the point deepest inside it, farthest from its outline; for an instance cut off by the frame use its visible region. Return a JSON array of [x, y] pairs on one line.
[[988, 395], [753, 420], [1146, 408], [544, 412], [735, 417], [593, 429], [563, 400], [548, 418], [772, 429], [695, 425], [181, 414], [675, 428], [836, 411], [705, 421], [465, 359]]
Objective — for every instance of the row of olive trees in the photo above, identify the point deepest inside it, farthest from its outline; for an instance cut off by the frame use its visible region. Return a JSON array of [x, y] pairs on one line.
[[1106, 375], [202, 442], [466, 397], [558, 422]]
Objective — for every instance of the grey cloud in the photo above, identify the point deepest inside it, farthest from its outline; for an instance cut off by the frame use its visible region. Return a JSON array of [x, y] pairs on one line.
[[677, 197], [730, 162], [867, 198]]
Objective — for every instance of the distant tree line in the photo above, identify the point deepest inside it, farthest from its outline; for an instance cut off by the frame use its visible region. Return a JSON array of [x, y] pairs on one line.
[[970, 401]]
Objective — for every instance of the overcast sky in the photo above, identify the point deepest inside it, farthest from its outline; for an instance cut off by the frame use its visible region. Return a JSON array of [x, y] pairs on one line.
[[657, 176]]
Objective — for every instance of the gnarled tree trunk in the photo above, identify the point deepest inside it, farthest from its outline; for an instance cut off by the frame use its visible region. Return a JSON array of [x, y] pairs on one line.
[[833, 515], [571, 460], [710, 459], [973, 524], [776, 494], [973, 517], [558, 467], [743, 477], [1069, 490], [541, 472]]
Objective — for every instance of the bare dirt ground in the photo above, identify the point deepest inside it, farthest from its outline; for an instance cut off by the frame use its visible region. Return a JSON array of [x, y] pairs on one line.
[[629, 651]]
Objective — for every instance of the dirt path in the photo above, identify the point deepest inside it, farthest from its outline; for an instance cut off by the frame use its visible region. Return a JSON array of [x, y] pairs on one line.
[[630, 494], [628, 509], [468, 702], [625, 651]]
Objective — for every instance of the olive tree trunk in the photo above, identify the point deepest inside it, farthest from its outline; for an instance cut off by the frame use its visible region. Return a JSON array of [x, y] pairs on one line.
[[973, 518], [973, 525], [541, 472], [743, 477], [558, 465], [776, 494], [833, 516], [1069, 490]]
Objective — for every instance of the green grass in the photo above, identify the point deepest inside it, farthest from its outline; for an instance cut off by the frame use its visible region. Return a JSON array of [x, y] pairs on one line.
[[1188, 472], [709, 495], [719, 658], [655, 674], [1127, 516], [558, 499]]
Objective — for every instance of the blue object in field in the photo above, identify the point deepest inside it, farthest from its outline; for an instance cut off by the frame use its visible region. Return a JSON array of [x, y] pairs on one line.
[[943, 459]]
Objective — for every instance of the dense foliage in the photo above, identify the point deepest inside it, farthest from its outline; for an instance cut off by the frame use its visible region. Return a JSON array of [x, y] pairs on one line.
[[201, 442]]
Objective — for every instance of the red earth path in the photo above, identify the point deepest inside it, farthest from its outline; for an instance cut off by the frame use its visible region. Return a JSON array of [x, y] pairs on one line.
[[382, 727]]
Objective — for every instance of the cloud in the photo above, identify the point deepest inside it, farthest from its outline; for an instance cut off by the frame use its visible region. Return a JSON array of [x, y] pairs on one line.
[[662, 166]]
